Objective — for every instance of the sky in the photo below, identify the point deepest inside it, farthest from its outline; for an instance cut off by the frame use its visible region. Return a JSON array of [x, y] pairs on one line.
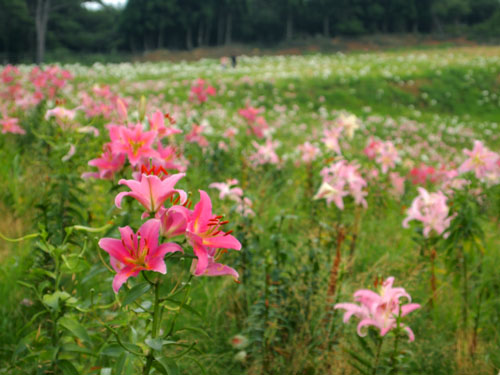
[[116, 3]]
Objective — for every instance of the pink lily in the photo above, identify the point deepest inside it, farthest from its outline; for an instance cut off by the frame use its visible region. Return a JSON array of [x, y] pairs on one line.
[[64, 117], [121, 110], [227, 189], [174, 221], [214, 268], [265, 153], [10, 125], [372, 148], [108, 164], [137, 252], [133, 141], [309, 152], [380, 309], [201, 90], [398, 184], [481, 160], [249, 113], [332, 193], [151, 191], [196, 135], [331, 139], [431, 210], [157, 123], [339, 180], [387, 156], [203, 232]]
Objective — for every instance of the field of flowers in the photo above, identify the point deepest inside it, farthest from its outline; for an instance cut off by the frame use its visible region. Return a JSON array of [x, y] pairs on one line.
[[322, 214]]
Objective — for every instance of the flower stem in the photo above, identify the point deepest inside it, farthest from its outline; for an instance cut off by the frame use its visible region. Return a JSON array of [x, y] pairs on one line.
[[155, 326], [26, 237], [332, 285], [394, 364], [377, 356], [433, 277]]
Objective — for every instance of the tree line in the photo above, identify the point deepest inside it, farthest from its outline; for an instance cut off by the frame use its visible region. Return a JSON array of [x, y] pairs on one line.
[[29, 27]]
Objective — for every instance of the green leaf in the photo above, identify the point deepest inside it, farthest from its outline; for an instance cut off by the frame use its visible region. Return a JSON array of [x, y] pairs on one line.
[[112, 350], [67, 367], [198, 363], [362, 371], [74, 263], [51, 300], [158, 366], [75, 328], [34, 317], [358, 358], [136, 292], [76, 349], [120, 364], [155, 344], [197, 330], [168, 364], [365, 346], [184, 307], [27, 285], [115, 350]]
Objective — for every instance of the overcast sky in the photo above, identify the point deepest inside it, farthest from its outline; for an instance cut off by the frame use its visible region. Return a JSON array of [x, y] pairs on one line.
[[116, 3]]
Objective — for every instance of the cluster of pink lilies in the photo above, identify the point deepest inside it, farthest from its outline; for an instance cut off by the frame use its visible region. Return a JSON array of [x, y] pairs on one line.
[[142, 251], [21, 91]]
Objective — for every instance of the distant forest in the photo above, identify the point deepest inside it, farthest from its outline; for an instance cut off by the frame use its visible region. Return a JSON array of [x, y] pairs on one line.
[[28, 28]]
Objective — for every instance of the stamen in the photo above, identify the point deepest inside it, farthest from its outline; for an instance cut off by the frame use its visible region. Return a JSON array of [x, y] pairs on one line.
[[228, 233]]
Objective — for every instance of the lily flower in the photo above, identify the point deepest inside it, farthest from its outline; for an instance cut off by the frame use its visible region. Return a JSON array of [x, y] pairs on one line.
[[332, 193], [151, 191], [157, 123], [133, 141], [380, 310], [174, 221], [481, 160], [228, 189], [137, 252], [204, 233], [431, 210], [214, 268], [10, 125], [108, 163]]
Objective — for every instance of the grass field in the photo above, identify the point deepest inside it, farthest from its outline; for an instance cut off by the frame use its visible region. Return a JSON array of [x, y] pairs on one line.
[[399, 121]]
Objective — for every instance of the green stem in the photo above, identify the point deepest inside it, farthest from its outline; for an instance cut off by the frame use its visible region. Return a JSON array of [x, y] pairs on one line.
[[155, 327], [57, 272], [119, 341], [156, 313], [377, 356], [394, 369], [465, 306], [55, 342], [174, 319], [26, 237]]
